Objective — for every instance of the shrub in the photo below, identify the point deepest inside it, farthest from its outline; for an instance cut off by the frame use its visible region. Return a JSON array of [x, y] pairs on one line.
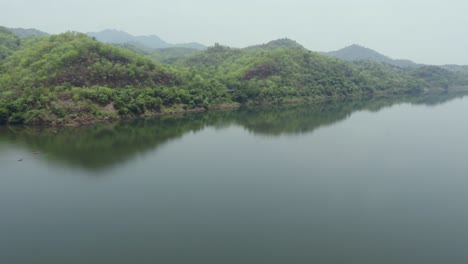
[[16, 118]]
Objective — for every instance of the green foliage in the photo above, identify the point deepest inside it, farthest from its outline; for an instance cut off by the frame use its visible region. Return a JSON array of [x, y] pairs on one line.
[[16, 118], [437, 77], [281, 70], [9, 42], [4, 115], [384, 77]]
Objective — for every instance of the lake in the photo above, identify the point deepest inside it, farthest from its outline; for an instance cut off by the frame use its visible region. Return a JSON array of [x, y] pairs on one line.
[[350, 181]]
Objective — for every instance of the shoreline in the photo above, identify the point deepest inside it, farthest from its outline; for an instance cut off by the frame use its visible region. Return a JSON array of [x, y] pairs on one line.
[[179, 109]]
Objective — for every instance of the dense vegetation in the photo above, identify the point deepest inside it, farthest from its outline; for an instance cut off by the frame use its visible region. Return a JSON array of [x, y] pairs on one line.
[[74, 79], [456, 68], [71, 78], [9, 42], [77, 60], [283, 70]]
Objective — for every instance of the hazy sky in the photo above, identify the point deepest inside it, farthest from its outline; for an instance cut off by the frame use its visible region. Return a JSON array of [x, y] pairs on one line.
[[426, 31]]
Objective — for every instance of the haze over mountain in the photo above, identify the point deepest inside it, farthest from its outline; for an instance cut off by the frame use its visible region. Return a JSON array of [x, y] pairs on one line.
[[150, 45], [359, 53], [151, 41], [428, 32], [155, 47], [27, 32], [163, 55]]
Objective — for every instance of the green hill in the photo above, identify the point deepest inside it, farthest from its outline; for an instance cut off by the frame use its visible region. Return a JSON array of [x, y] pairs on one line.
[[276, 74], [72, 79], [77, 60]]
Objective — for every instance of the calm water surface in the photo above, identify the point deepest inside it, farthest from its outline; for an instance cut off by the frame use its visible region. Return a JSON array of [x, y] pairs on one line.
[[362, 181]]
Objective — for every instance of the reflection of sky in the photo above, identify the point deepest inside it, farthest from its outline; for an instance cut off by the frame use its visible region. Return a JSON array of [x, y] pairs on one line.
[[368, 189], [10, 152]]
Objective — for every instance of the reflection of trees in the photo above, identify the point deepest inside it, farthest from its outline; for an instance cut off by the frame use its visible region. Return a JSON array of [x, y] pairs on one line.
[[296, 119], [104, 145], [99, 146]]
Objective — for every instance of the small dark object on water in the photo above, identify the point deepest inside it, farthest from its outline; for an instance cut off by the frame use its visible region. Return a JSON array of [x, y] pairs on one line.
[[20, 159]]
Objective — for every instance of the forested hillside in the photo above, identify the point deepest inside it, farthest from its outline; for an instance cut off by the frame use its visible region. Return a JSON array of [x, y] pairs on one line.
[[9, 42], [456, 68], [72, 79], [266, 74], [77, 60]]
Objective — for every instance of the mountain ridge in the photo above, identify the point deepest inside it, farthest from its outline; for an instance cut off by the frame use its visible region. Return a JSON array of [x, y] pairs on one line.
[[28, 32], [115, 36], [277, 43]]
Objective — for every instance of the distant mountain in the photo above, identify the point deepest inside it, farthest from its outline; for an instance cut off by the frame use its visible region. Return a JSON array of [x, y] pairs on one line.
[[152, 41], [163, 55], [27, 32], [121, 37], [359, 53]]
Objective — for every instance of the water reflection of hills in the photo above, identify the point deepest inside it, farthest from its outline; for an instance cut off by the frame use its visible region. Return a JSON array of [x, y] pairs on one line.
[[102, 146]]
